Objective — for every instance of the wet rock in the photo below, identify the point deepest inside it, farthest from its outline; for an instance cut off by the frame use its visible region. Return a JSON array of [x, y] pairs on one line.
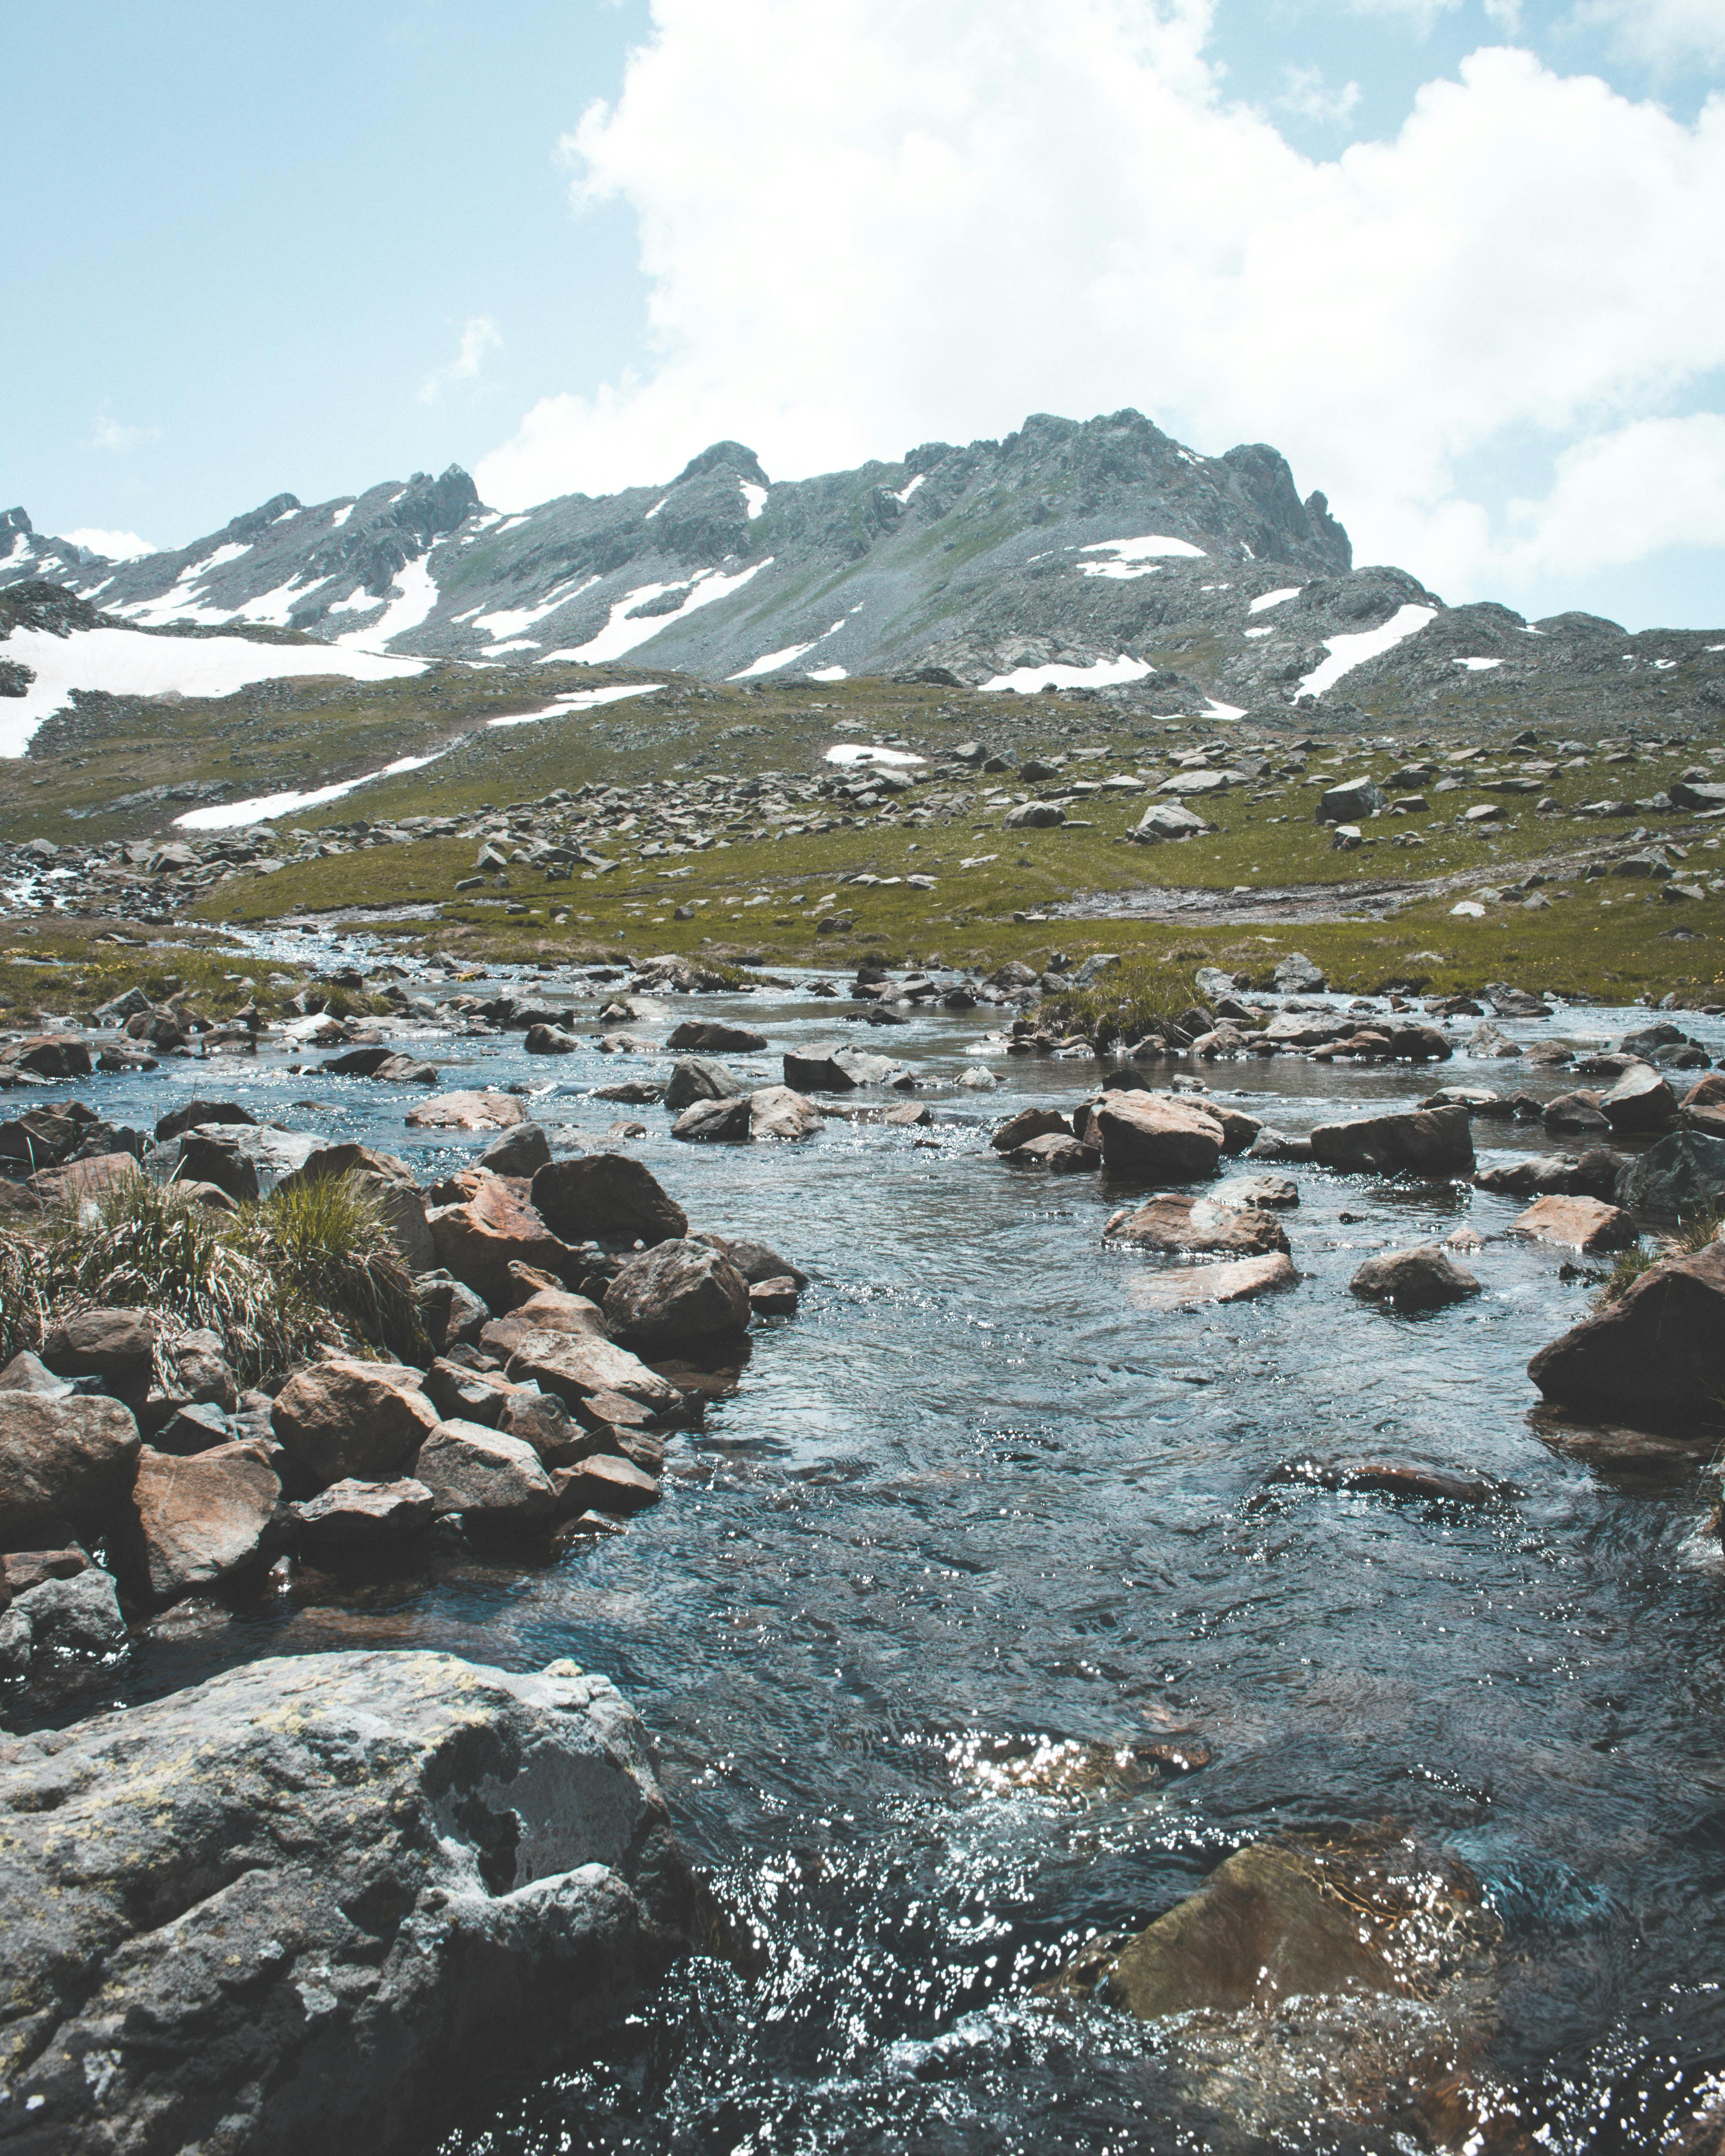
[[574, 1367], [1239, 1131], [1623, 1454], [549, 1040], [1277, 1145], [352, 1521], [1154, 1137], [62, 1461], [521, 1152], [73, 1613], [1277, 1192], [604, 1482], [707, 1036], [450, 1311], [1030, 1123], [117, 1345], [1592, 1174], [485, 1476], [1640, 1101], [48, 1055], [679, 1297], [1654, 1356], [697, 1078], [817, 1071], [716, 1122], [1578, 1110], [1202, 1226], [1396, 1478], [193, 1523], [755, 1261], [1682, 1177], [774, 1298], [1579, 1223], [1058, 1155], [541, 1421], [245, 1160], [1236, 1280], [378, 1867], [775, 1111], [1424, 1141], [1424, 1278], [480, 1239], [344, 1418], [606, 1197], [467, 1112]]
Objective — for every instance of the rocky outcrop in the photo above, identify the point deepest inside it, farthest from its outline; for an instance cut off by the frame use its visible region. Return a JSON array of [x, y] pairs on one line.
[[1656, 1355], [1422, 1141], [289, 1908]]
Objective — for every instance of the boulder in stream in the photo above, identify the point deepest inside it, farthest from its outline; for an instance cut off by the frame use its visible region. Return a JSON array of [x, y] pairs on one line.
[[1654, 1356], [606, 1197], [1424, 1278], [1425, 1142]]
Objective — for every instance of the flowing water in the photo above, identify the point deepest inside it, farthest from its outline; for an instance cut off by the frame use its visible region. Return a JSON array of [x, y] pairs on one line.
[[973, 1521]]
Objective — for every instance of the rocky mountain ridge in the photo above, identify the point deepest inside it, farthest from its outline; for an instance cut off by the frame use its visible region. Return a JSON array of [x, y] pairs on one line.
[[1100, 554]]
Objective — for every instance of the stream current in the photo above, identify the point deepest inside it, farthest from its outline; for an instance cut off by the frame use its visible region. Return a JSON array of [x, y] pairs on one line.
[[972, 1517]]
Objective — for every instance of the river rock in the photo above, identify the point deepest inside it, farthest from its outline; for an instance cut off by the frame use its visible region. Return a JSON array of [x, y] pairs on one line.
[[549, 1310], [1579, 1223], [480, 1239], [1235, 1279], [1154, 1137], [117, 1345], [461, 1394], [542, 1040], [716, 1122], [521, 1152], [1059, 1154], [574, 1366], [450, 1311], [485, 1476], [1027, 1124], [355, 1521], [1641, 1101], [364, 1873], [606, 1197], [77, 1614], [62, 1462], [755, 1261], [605, 1482], [194, 1523], [1682, 1177], [1277, 1192], [541, 1421], [391, 1185], [467, 1112], [678, 1297], [178, 1120], [697, 1078], [776, 1111], [245, 1160], [710, 1036], [1427, 1141], [345, 1418], [1578, 1110], [1654, 1356], [1592, 1174], [1201, 1226], [817, 1071], [1424, 1278]]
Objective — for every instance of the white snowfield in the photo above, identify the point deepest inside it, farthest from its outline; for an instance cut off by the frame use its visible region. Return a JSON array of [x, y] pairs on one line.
[[126, 662], [1348, 652], [512, 621], [271, 808], [1025, 681], [1477, 665], [1272, 598], [578, 700], [851, 753], [412, 595], [754, 499], [828, 673], [771, 661], [621, 634], [1136, 558]]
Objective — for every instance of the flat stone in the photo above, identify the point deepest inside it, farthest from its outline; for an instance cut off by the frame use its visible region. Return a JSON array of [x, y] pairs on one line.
[[354, 1520], [1579, 1223], [1277, 1192], [707, 1036], [1233, 1280], [467, 1112], [574, 1366], [1196, 1227]]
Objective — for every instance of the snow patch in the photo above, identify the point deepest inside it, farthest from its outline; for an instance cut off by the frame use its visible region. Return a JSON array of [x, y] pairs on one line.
[[359, 602], [1025, 681], [905, 493], [1477, 665], [774, 659], [579, 700], [511, 621], [1213, 710], [1348, 652], [754, 499], [270, 807], [1468, 911], [850, 752], [275, 606], [1269, 599], [1260, 632], [1142, 550], [414, 596], [127, 662], [340, 517], [829, 673], [230, 550], [620, 634], [656, 509]]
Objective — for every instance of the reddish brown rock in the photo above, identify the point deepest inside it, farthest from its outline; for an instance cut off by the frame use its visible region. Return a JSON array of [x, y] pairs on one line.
[[1577, 1224], [1155, 1137], [1059, 1155], [1197, 1227], [1030, 1123], [353, 1520], [1236, 1281], [481, 1238], [62, 1462], [194, 1523], [117, 1345], [467, 1112], [604, 1482], [1424, 1278], [1656, 1355], [679, 1296], [345, 1418], [576, 1366], [485, 1476]]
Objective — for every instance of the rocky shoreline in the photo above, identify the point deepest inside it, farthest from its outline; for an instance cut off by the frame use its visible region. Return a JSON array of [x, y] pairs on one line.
[[525, 1335]]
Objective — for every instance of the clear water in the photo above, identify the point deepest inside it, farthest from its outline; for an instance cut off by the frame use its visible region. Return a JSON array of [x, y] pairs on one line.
[[971, 1496]]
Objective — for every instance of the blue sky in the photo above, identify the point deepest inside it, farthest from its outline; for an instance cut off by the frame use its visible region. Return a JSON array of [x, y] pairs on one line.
[[1462, 262]]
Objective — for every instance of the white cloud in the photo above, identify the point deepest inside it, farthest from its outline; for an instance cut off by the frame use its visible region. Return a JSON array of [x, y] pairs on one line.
[[1619, 497], [1663, 34], [1015, 208], [1307, 96], [107, 433], [479, 336], [1421, 14], [114, 546]]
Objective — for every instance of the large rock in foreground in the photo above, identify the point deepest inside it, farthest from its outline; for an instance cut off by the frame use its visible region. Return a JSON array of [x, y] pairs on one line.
[[1435, 1142], [677, 1298], [291, 1908], [62, 1462], [1657, 1355], [1682, 1175], [1156, 1137]]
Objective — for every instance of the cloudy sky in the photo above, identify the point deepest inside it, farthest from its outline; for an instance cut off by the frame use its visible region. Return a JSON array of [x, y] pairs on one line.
[[1462, 260]]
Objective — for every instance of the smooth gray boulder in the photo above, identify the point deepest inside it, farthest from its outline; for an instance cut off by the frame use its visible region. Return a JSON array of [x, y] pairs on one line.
[[1681, 1177], [1433, 1141], [290, 1908], [699, 1078], [1353, 800], [75, 1616]]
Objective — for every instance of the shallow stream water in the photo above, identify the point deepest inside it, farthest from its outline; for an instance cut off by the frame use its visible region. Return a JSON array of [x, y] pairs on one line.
[[972, 1505]]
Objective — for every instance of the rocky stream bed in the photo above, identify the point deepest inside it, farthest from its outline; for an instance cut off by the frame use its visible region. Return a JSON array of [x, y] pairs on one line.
[[924, 1589]]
